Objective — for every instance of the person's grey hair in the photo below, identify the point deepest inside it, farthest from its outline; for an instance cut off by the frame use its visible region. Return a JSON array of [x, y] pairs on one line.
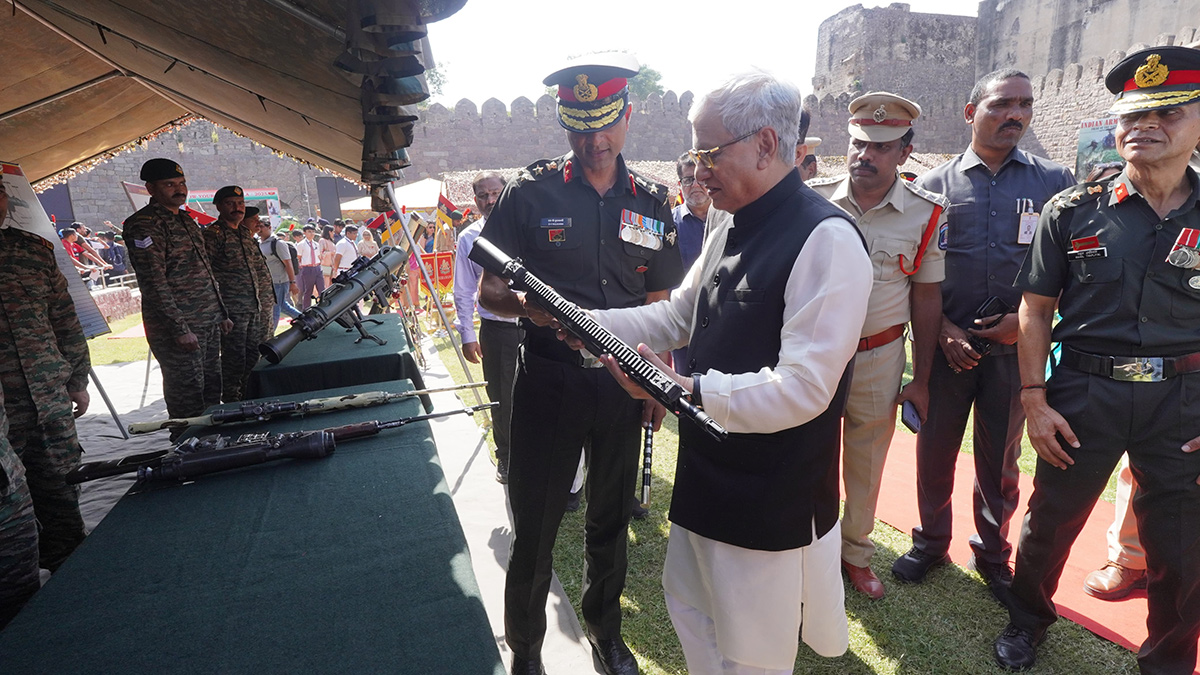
[[484, 175], [985, 82], [755, 100], [684, 160]]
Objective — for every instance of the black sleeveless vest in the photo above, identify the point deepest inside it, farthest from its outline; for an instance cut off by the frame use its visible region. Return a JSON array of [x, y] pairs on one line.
[[757, 491]]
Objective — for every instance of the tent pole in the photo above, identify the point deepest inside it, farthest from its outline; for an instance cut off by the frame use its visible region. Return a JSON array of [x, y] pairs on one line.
[[437, 302]]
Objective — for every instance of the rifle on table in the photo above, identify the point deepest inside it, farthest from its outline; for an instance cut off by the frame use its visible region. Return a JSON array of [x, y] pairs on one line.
[[251, 411], [597, 339], [201, 455]]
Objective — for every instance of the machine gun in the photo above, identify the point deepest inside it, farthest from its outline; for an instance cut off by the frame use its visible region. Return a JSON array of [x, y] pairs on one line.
[[597, 339], [201, 455], [260, 411], [365, 277]]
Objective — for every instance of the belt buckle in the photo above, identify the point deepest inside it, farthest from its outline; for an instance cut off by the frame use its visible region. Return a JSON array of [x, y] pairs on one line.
[[1137, 368]]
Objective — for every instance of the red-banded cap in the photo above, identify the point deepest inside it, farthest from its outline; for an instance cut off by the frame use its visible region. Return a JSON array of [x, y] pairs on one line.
[[1155, 79], [593, 90]]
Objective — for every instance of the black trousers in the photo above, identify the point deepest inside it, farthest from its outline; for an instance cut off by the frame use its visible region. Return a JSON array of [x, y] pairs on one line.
[[499, 342], [1150, 421], [993, 389], [556, 408]]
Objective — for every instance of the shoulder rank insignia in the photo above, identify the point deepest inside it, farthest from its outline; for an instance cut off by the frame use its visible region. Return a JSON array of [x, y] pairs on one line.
[[1121, 192], [929, 196], [1094, 189]]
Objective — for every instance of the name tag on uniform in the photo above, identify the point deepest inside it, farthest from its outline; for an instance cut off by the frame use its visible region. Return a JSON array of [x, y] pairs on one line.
[[641, 230], [555, 230]]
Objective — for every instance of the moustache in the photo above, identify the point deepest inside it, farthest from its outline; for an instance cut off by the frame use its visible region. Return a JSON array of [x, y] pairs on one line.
[[1012, 124], [864, 166]]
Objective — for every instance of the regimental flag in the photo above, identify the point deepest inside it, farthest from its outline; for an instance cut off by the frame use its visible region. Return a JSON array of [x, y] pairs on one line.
[[199, 216]]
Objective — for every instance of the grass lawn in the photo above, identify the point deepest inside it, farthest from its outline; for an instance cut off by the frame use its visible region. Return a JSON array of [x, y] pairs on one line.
[[105, 350], [945, 625]]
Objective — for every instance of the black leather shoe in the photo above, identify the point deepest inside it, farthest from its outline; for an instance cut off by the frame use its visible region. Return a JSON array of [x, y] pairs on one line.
[[912, 567], [522, 666], [1016, 648], [615, 657], [639, 512], [997, 575], [573, 500]]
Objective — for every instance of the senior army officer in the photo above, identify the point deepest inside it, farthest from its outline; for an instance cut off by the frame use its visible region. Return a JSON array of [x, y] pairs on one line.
[[899, 221], [603, 237], [181, 307], [1130, 365]]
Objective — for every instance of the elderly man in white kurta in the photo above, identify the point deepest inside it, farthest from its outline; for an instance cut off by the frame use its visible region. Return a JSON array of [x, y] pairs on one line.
[[771, 314]]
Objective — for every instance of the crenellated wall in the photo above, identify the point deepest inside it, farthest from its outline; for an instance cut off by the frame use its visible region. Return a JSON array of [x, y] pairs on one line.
[[493, 136], [940, 129]]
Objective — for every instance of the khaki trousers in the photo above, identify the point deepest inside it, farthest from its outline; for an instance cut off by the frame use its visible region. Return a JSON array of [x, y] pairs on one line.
[[867, 432], [1124, 545]]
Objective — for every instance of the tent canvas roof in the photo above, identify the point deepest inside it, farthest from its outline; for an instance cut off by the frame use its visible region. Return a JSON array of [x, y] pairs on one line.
[[83, 79]]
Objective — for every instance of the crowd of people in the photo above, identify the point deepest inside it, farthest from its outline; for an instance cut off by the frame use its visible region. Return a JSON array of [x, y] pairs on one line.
[[786, 311]]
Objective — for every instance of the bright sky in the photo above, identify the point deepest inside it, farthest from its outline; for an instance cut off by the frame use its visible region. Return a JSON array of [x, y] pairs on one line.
[[501, 49]]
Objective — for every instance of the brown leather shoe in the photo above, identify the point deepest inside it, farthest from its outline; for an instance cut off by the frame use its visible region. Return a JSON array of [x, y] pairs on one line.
[[1113, 582], [864, 581]]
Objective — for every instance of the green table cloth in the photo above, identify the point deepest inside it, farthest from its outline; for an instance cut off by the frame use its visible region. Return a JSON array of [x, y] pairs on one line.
[[333, 360], [355, 563]]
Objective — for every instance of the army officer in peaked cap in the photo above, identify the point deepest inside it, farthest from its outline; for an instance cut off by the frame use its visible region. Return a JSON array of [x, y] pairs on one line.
[[1119, 259], [603, 237]]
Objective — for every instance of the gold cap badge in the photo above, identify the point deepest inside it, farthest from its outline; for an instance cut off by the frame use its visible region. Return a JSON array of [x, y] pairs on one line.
[[1152, 73], [584, 91], [880, 113]]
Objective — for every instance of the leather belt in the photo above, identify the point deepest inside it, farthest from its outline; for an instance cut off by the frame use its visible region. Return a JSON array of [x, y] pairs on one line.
[[1131, 368], [881, 338]]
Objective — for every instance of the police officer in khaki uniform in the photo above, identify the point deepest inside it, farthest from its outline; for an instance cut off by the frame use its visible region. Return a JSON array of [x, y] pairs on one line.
[[1120, 260], [898, 221], [603, 237]]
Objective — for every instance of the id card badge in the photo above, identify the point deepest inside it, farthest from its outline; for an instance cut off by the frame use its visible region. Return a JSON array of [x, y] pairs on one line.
[[1028, 221]]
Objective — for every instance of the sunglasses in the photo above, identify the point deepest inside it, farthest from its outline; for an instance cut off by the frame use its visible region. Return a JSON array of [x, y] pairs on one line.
[[708, 157]]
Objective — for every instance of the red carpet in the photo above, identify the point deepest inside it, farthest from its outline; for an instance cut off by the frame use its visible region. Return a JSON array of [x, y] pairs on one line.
[[1123, 621]]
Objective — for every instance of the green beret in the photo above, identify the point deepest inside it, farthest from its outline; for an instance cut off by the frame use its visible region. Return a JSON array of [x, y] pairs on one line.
[[160, 169], [227, 192]]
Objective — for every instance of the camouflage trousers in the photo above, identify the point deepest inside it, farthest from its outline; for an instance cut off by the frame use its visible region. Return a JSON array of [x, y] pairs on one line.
[[191, 380], [239, 353], [18, 550], [48, 448]]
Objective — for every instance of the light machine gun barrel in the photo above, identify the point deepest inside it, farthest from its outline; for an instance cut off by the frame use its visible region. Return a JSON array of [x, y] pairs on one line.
[[339, 303], [202, 455], [597, 339]]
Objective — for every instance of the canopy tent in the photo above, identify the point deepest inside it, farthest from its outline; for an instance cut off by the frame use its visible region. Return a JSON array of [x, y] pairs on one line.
[[330, 82], [422, 195]]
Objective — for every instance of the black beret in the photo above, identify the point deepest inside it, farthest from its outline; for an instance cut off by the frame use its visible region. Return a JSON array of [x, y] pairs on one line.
[[227, 192], [322, 221], [160, 169], [1155, 79], [251, 211]]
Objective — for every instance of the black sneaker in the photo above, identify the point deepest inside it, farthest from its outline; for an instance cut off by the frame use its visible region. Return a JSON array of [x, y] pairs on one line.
[[1016, 648], [501, 471], [998, 577], [912, 567], [573, 500]]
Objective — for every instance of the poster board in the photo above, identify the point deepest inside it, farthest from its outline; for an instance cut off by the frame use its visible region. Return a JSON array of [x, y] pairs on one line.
[[25, 212], [201, 199], [1097, 145]]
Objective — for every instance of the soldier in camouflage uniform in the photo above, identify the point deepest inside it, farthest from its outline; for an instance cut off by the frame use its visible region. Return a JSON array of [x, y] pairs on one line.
[[44, 366], [181, 307], [18, 526], [245, 282]]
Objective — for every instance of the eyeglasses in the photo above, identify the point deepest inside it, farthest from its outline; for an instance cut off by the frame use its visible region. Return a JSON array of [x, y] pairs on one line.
[[687, 182], [708, 157]]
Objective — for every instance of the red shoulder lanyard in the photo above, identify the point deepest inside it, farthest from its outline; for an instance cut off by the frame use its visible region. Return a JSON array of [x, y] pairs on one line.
[[933, 220]]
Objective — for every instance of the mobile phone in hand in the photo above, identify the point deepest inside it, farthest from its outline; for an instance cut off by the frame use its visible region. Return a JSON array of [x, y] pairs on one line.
[[910, 417]]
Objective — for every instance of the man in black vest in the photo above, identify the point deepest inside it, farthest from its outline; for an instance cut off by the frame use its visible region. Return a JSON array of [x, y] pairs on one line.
[[771, 315], [603, 237]]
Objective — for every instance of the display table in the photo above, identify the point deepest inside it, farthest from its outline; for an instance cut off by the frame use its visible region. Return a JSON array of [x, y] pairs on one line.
[[333, 360], [355, 563]]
